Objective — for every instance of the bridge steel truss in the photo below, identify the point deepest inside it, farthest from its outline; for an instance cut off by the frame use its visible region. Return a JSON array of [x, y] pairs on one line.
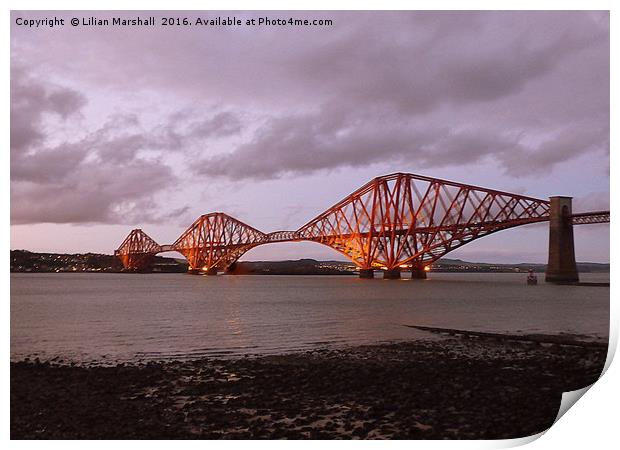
[[216, 241], [137, 250], [395, 221], [590, 217], [406, 220]]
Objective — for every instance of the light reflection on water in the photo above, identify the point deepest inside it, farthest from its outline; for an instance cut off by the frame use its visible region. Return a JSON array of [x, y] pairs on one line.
[[121, 316]]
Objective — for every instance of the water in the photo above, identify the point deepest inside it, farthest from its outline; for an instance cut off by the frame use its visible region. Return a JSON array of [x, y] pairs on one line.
[[85, 317]]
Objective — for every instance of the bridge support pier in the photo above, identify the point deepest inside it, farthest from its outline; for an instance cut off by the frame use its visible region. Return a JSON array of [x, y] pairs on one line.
[[418, 272], [561, 267], [367, 273], [211, 272], [193, 271], [391, 274], [230, 270]]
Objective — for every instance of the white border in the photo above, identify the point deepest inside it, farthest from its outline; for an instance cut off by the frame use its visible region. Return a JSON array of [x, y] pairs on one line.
[[590, 423]]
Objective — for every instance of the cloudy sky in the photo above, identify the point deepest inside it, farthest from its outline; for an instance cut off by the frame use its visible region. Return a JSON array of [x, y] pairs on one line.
[[117, 128]]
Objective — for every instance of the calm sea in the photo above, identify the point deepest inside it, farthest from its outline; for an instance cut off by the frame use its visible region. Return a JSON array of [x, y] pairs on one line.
[[106, 317]]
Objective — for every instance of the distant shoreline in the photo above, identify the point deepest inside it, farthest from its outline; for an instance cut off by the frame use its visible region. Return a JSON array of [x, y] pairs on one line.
[[23, 261]]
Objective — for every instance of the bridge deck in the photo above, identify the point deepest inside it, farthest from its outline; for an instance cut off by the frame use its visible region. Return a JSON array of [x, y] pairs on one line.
[[590, 217]]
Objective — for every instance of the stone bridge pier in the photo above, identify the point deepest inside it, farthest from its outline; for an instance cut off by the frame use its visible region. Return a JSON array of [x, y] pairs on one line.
[[561, 267]]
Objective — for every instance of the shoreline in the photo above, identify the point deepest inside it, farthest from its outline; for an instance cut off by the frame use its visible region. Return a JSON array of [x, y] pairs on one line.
[[457, 387], [433, 334], [580, 340]]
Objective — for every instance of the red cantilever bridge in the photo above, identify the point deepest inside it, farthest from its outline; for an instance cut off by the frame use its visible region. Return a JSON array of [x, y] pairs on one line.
[[394, 222]]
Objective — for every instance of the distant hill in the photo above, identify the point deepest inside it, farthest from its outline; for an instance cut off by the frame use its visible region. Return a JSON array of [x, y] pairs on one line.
[[466, 266], [296, 267], [25, 261]]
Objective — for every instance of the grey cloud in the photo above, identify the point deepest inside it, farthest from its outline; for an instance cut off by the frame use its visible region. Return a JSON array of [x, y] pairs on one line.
[[519, 91], [47, 166], [96, 193], [65, 102], [111, 174], [103, 175], [426, 58], [222, 124], [493, 56], [440, 101], [89, 192], [304, 144], [576, 140], [31, 101]]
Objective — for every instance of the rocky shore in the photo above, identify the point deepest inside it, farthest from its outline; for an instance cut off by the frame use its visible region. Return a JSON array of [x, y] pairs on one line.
[[458, 387]]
